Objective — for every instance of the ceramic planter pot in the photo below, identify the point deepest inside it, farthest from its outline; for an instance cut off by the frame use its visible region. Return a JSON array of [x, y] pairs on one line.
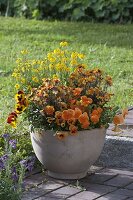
[[69, 158]]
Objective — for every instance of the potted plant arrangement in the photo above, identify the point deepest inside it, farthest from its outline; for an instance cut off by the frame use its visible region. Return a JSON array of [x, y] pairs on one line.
[[66, 104]]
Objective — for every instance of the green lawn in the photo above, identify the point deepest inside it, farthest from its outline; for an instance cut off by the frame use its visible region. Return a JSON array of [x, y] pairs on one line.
[[106, 46]]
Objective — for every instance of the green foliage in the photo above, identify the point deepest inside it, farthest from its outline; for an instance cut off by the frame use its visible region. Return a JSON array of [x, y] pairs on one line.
[[11, 176], [7, 190], [111, 11]]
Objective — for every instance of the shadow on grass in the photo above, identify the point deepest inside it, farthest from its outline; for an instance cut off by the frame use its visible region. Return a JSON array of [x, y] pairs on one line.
[[83, 33]]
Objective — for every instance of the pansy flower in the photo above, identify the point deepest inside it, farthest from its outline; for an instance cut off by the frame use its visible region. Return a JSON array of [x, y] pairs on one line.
[[85, 101]]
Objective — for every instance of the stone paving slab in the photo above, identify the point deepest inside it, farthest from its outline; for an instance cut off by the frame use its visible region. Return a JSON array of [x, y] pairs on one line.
[[105, 183], [119, 181], [64, 192], [113, 197], [85, 195]]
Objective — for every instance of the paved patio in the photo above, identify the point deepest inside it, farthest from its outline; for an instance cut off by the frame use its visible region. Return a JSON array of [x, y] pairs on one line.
[[102, 183]]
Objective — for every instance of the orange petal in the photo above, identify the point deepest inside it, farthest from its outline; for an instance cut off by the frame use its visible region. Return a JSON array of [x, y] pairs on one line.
[[83, 117], [73, 129], [68, 114], [78, 112], [49, 110], [125, 112], [118, 119], [95, 119], [61, 135], [85, 124], [77, 91]]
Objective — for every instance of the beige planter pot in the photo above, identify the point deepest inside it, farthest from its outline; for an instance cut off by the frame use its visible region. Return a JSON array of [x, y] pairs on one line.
[[72, 157]]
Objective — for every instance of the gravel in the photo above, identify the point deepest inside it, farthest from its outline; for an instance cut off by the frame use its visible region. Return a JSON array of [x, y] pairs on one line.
[[117, 152]]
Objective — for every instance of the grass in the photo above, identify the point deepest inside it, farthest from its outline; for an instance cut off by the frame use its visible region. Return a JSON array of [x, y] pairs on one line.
[[109, 47]]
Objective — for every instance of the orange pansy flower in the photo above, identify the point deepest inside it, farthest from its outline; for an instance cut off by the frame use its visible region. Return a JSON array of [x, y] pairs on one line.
[[72, 101], [95, 112], [118, 119], [83, 117], [78, 112], [61, 135], [85, 124], [58, 114], [125, 112], [100, 110], [77, 91], [108, 80], [71, 121], [63, 105], [95, 119], [73, 129], [85, 101], [49, 110], [68, 114], [91, 91]]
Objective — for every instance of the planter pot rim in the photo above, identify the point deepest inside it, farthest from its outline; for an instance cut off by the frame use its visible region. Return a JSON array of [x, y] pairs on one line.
[[84, 130]]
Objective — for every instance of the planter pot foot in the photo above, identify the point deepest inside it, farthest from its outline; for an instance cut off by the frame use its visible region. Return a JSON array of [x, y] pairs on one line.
[[67, 176]]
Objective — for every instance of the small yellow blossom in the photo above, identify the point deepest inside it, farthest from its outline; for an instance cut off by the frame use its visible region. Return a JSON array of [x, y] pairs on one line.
[[74, 55], [57, 51], [25, 51], [81, 56], [14, 74], [35, 79], [73, 62], [18, 60], [17, 86], [55, 76], [23, 80], [63, 44]]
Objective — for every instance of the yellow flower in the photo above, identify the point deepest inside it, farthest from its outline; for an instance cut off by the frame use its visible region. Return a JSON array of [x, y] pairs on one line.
[[73, 62], [51, 59], [14, 74], [35, 79], [57, 51], [23, 69], [18, 60], [81, 56], [55, 76], [19, 108], [74, 55], [17, 86], [23, 80], [25, 51], [63, 44], [19, 96]]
